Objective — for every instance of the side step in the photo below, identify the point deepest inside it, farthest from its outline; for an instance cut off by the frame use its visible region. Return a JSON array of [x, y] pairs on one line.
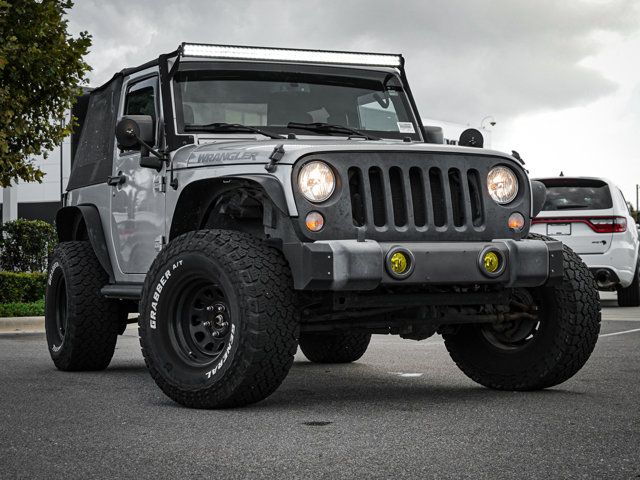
[[123, 291]]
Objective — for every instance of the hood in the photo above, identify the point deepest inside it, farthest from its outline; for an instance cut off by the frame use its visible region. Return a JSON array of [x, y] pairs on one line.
[[249, 151]]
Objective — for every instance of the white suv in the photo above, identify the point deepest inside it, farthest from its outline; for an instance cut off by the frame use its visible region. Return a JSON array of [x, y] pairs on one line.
[[591, 216]]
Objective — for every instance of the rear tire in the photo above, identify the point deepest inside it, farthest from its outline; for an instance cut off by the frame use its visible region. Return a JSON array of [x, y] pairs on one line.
[[630, 296], [334, 347], [556, 346], [218, 324], [81, 325]]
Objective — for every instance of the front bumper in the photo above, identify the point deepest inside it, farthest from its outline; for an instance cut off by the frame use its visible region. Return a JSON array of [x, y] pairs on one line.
[[352, 265]]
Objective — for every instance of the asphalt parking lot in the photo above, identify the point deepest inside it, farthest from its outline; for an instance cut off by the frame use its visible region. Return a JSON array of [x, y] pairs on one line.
[[402, 411]]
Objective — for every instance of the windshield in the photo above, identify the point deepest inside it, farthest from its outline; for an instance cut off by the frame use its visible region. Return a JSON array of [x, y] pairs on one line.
[[577, 194], [365, 100]]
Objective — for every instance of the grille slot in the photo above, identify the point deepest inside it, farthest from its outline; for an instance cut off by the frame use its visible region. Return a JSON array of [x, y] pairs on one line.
[[475, 198], [418, 198], [457, 197], [356, 192], [437, 198], [377, 196], [397, 197]]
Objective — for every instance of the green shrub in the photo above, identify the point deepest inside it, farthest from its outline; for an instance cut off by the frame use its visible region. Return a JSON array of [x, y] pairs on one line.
[[22, 287], [31, 309], [25, 245]]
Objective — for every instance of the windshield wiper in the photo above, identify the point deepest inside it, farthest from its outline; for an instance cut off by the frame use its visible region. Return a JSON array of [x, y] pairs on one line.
[[330, 128], [230, 127]]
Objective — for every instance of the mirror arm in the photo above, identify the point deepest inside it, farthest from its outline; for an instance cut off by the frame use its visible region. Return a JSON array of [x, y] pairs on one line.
[[161, 155]]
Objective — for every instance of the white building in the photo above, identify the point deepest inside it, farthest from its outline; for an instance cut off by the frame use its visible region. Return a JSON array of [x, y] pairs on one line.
[[40, 200]]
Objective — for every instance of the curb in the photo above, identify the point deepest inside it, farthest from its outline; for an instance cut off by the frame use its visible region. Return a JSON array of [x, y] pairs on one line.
[[21, 324]]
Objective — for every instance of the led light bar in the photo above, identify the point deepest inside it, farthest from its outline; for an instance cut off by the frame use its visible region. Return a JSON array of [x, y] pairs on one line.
[[291, 55]]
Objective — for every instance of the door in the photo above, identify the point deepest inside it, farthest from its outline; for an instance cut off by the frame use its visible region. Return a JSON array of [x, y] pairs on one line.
[[138, 200]]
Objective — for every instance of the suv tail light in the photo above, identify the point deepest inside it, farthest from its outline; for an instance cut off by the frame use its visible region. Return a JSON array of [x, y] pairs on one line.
[[608, 224], [597, 224]]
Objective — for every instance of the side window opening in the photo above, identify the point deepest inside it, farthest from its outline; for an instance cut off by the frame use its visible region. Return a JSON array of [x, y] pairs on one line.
[[141, 100]]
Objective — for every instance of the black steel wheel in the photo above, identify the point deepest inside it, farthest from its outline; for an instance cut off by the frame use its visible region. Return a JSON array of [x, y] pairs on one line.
[[200, 327]]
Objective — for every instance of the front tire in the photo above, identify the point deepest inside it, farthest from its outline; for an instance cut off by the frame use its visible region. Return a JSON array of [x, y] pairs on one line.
[[218, 325], [630, 296], [547, 351], [339, 347], [81, 325]]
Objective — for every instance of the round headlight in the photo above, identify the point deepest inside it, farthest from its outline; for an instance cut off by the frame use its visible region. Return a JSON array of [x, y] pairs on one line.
[[502, 184], [316, 181]]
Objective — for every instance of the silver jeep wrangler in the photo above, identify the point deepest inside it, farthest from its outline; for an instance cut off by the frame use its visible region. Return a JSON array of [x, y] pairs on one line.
[[247, 201]]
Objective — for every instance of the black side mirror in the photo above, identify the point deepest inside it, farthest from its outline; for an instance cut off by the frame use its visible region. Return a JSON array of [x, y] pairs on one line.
[[539, 194], [133, 131], [471, 138]]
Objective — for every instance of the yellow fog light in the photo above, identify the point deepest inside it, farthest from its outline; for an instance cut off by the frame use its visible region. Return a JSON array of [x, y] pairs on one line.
[[492, 262], [398, 263]]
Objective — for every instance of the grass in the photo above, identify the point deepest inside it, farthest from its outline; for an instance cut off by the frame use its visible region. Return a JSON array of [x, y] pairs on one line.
[[30, 309]]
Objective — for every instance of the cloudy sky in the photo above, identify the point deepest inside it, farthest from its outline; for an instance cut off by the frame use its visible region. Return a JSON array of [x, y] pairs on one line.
[[560, 78]]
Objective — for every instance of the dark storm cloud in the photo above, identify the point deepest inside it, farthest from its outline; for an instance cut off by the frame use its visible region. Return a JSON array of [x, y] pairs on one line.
[[465, 59]]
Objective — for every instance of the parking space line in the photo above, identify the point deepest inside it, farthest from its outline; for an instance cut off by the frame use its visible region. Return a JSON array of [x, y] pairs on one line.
[[619, 333]]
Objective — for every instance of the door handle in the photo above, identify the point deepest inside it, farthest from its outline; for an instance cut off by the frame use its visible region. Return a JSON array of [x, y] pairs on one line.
[[117, 180]]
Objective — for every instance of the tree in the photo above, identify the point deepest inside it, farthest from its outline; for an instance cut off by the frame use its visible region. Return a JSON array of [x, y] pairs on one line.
[[41, 70]]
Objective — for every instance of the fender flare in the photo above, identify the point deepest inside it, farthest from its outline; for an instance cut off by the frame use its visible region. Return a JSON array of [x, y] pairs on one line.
[[67, 221], [272, 187]]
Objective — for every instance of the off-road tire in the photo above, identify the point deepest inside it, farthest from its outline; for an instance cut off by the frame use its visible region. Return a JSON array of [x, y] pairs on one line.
[[567, 335], [262, 326], [334, 347], [630, 296], [92, 321]]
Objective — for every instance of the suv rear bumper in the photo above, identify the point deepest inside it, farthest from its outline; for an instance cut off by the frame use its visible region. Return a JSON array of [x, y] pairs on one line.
[[352, 265]]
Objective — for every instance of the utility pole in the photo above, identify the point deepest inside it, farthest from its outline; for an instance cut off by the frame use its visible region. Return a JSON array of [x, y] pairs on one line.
[[637, 206]]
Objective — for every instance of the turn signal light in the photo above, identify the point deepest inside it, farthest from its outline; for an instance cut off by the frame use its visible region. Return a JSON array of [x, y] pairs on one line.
[[516, 221], [314, 221]]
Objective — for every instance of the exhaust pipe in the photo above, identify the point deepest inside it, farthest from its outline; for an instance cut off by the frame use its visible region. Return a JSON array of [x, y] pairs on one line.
[[604, 279]]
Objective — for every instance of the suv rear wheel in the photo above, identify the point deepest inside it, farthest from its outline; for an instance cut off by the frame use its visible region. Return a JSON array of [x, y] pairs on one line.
[[536, 353], [334, 347], [630, 296], [81, 325], [218, 324]]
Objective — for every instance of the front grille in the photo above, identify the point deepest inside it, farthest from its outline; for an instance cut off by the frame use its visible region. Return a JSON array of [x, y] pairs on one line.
[[414, 197]]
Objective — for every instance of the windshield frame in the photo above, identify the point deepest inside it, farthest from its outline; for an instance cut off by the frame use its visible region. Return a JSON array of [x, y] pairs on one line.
[[345, 72]]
